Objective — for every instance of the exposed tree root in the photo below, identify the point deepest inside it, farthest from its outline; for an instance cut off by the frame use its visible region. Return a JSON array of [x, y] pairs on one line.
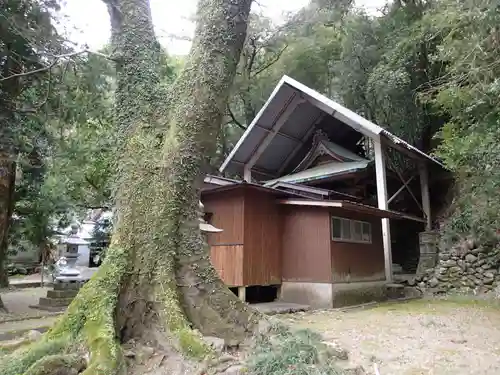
[[11, 345], [59, 364], [22, 359], [2, 306], [93, 322]]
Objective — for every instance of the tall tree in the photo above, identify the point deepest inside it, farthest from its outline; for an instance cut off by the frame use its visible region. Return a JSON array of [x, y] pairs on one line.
[[157, 273], [26, 38]]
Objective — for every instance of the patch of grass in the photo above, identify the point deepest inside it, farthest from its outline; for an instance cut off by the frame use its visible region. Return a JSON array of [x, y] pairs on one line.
[[416, 371], [283, 351], [436, 305], [449, 352], [463, 300]]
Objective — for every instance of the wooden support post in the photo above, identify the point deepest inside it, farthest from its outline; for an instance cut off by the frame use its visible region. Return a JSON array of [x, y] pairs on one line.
[[383, 205], [242, 293], [278, 293], [426, 201], [247, 174]]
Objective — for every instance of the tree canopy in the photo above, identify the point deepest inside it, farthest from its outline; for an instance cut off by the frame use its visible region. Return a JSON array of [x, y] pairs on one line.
[[409, 68], [135, 129]]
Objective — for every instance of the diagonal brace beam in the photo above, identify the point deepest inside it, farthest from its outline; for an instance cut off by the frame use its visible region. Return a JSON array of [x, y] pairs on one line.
[[280, 121], [409, 191], [405, 185]]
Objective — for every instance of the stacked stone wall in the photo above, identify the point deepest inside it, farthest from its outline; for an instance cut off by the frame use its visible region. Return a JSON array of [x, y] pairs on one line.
[[464, 268]]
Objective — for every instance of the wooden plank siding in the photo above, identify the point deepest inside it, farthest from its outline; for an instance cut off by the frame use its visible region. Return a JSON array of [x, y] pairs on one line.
[[227, 214], [226, 247], [306, 244], [356, 261], [228, 261], [263, 243], [262, 239]]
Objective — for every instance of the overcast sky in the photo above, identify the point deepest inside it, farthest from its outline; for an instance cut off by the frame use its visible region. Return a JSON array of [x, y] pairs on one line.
[[87, 21]]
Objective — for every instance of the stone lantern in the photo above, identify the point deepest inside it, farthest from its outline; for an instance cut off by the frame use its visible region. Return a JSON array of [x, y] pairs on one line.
[[69, 251]]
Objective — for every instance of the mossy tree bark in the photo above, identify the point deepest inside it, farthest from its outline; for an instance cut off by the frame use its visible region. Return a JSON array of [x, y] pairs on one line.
[[7, 186], [157, 282]]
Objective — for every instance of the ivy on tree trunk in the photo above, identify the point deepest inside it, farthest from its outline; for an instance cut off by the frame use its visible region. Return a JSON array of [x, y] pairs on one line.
[[157, 283], [7, 185]]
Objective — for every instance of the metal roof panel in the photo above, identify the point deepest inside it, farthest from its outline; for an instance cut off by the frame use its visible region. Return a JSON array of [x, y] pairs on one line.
[[300, 122]]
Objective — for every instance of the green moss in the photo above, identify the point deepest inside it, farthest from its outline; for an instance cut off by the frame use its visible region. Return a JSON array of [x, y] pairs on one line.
[[192, 344], [106, 352], [10, 346], [49, 365], [21, 360]]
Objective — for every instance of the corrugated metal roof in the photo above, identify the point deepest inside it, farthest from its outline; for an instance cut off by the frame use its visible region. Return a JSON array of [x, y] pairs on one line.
[[294, 131], [321, 172]]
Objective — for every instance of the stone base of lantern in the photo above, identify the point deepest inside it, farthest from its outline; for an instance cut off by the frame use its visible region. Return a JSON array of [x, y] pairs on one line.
[[60, 297]]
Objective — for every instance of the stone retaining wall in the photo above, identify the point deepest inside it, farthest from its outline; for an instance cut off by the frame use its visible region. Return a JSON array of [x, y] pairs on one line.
[[465, 268]]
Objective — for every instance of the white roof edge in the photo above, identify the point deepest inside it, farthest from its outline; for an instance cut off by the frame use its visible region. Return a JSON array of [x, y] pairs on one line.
[[221, 181], [307, 202], [366, 127], [396, 140], [306, 188], [370, 128]]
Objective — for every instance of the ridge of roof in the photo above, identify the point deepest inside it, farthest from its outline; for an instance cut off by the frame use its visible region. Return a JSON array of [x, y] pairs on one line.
[[332, 108]]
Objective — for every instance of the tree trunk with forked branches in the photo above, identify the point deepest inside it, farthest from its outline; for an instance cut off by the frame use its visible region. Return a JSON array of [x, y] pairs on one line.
[[157, 284]]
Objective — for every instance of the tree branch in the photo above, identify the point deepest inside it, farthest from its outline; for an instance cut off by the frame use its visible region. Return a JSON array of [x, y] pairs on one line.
[[272, 61], [233, 118], [51, 65], [252, 56], [36, 107]]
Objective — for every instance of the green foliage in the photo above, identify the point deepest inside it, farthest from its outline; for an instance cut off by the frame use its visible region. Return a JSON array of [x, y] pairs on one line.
[[62, 136], [468, 93], [376, 66], [285, 352]]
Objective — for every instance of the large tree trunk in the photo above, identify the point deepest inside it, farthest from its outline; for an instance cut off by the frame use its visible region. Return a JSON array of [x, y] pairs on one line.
[[157, 283], [7, 186]]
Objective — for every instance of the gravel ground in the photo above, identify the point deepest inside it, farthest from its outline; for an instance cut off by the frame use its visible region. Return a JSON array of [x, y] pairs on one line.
[[18, 301], [438, 337]]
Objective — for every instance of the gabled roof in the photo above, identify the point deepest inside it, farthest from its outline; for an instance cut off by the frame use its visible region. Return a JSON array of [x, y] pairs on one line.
[[322, 172], [290, 115]]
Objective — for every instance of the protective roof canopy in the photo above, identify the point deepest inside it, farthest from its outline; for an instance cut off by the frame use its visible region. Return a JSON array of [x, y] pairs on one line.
[[288, 119], [322, 172]]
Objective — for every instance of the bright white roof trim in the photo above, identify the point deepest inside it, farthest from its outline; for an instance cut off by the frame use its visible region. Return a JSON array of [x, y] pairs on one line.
[[328, 106], [220, 181]]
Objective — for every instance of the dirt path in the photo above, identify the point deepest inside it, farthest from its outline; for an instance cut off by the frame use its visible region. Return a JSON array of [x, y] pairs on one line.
[[423, 337], [18, 303]]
